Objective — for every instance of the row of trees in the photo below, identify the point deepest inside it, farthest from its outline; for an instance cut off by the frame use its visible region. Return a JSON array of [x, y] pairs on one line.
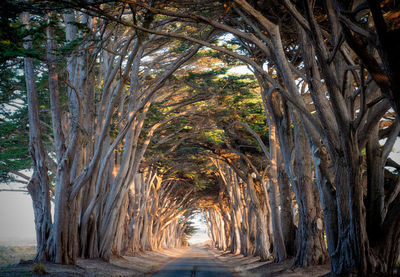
[[100, 79], [327, 98], [330, 107]]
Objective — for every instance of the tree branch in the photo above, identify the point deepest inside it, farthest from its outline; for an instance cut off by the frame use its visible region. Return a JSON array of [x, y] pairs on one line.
[[27, 178]]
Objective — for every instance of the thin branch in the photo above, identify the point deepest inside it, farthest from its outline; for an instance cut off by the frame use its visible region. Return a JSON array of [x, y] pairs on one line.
[[355, 28], [14, 190], [388, 146], [296, 14], [26, 177], [204, 43], [336, 48], [256, 136]]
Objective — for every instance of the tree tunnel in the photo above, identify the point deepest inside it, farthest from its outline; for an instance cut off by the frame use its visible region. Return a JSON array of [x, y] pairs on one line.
[[277, 121]]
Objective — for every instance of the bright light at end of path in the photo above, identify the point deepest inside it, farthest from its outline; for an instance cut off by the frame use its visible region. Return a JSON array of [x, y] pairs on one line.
[[201, 234]]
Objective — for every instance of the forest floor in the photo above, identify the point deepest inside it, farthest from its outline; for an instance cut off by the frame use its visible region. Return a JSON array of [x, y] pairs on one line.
[[253, 267], [143, 264]]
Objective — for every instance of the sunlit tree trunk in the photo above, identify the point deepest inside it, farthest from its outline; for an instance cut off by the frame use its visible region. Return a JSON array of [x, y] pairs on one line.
[[279, 244]]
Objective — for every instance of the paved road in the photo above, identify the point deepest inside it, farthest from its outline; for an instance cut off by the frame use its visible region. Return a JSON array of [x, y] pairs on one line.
[[196, 262]]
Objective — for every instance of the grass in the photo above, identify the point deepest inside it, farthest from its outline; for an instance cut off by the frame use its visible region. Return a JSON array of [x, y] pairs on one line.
[[14, 254], [39, 269]]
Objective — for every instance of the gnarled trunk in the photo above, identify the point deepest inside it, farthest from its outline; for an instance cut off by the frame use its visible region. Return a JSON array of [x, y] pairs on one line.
[[38, 185]]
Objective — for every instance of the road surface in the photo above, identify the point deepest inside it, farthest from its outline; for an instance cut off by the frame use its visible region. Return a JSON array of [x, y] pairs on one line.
[[196, 262]]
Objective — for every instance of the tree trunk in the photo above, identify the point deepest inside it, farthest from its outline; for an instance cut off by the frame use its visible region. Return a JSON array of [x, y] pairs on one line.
[[311, 245], [286, 213], [279, 244], [260, 215], [38, 185]]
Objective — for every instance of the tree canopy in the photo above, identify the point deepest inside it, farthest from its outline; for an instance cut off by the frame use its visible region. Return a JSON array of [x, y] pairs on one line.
[[136, 121]]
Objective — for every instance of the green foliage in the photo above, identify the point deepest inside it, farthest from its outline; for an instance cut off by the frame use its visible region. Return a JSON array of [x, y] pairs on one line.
[[236, 94], [14, 129], [39, 269], [155, 113], [215, 135], [14, 138], [14, 141], [67, 48], [182, 46], [190, 229], [225, 99], [11, 32]]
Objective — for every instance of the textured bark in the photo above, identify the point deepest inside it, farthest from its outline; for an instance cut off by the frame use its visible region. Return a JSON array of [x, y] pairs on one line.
[[311, 245], [281, 119], [324, 176], [386, 75], [38, 185], [339, 132], [311, 248], [260, 214], [279, 244], [235, 210], [237, 213], [285, 198], [153, 218], [64, 232], [56, 116], [375, 189], [376, 202], [316, 248], [353, 249]]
